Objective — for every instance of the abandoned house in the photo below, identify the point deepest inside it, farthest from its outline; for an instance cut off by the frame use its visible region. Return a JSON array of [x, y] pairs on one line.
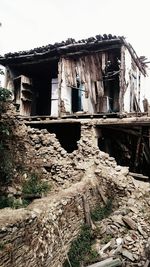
[[100, 79]]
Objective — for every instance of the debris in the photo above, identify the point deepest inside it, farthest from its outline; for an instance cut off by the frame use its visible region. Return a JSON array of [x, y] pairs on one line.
[[141, 231], [100, 191], [147, 263], [105, 247], [127, 254], [119, 241], [139, 176], [107, 263], [129, 222]]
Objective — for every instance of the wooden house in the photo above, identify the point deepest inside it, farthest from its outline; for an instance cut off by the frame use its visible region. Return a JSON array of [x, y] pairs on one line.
[[99, 75], [97, 82]]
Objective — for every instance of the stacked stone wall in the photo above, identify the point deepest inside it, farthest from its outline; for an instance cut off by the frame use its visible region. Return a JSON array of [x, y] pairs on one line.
[[40, 235]]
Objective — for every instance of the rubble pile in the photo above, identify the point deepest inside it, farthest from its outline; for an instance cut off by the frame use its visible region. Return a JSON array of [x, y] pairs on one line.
[[87, 172], [126, 232]]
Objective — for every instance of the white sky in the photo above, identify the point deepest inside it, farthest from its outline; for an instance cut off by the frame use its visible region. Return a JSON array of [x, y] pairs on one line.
[[31, 23]]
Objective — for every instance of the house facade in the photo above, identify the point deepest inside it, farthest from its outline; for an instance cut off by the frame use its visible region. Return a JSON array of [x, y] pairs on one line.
[[99, 75]]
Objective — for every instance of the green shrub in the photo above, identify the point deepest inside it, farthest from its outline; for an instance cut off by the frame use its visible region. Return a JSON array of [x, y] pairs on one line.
[[101, 212], [35, 186], [12, 202], [2, 246], [106, 239], [80, 250], [80, 247], [6, 154], [91, 257], [4, 94], [6, 164]]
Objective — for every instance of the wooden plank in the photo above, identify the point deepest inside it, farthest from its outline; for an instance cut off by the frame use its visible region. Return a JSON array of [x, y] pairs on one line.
[[100, 191], [107, 263], [122, 79], [138, 176], [97, 119], [147, 263], [137, 153], [87, 211], [60, 69]]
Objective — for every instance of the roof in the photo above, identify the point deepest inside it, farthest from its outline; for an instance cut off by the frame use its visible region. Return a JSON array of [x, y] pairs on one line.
[[71, 46]]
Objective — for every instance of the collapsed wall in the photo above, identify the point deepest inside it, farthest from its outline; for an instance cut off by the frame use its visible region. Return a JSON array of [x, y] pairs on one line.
[[40, 235]]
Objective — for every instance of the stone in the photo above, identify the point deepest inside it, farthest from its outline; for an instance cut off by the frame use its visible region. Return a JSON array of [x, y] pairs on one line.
[[132, 225], [127, 254], [111, 159], [119, 241], [118, 219], [97, 161], [12, 190], [118, 168], [124, 171], [143, 233]]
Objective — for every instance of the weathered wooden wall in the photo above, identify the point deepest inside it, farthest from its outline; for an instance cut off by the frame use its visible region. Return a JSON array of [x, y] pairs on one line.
[[134, 81]]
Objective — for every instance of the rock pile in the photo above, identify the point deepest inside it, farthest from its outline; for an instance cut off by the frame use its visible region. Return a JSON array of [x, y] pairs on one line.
[[126, 233]]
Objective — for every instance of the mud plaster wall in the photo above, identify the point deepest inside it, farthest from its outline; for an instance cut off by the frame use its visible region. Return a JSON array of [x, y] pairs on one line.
[[40, 235]]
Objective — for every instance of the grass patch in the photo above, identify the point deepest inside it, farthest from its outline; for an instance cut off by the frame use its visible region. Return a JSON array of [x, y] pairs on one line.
[[35, 186], [80, 247], [101, 212], [12, 202], [2, 246], [91, 257], [80, 250]]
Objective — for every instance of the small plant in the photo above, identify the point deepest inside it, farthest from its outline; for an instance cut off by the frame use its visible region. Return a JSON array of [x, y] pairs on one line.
[[5, 202], [12, 202], [106, 239], [6, 165], [102, 212], [35, 186], [2, 246], [92, 257], [80, 247], [4, 94], [17, 204], [6, 155]]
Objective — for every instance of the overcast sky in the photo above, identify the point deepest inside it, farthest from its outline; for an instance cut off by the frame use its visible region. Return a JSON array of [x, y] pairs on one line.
[[31, 23]]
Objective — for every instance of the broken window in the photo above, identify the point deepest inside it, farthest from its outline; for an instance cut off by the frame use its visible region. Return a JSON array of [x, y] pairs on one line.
[[36, 88], [111, 82], [23, 94], [92, 82]]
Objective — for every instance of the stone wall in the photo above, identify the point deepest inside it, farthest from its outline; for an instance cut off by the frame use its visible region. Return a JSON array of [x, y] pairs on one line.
[[40, 235]]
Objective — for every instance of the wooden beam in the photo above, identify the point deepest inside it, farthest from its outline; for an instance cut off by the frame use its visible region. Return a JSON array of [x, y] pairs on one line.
[[137, 153], [87, 211], [139, 176], [126, 122], [107, 263]]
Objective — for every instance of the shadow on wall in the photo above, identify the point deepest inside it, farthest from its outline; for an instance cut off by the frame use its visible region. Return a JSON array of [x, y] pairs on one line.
[[67, 134], [130, 147]]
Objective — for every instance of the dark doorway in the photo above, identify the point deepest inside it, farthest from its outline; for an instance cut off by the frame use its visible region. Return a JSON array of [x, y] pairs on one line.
[[42, 90], [76, 100]]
